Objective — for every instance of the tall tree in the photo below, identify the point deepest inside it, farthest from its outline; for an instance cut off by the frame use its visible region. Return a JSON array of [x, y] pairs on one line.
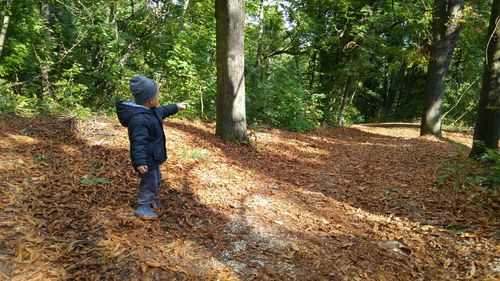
[[185, 6], [345, 99], [5, 24], [487, 128], [446, 25], [231, 118], [258, 59], [46, 14]]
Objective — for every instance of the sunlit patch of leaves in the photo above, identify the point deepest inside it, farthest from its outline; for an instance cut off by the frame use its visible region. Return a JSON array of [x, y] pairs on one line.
[[192, 155]]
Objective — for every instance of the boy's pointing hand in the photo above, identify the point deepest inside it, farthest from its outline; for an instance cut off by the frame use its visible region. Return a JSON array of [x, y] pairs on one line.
[[182, 105], [142, 169]]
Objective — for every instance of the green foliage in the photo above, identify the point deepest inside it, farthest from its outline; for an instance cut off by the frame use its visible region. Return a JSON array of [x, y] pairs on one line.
[[468, 174], [464, 79], [87, 181], [192, 74], [281, 101], [308, 49], [492, 157]]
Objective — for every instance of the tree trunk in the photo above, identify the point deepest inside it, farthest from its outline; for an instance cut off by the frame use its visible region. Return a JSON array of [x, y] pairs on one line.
[[386, 85], [345, 99], [395, 79], [312, 70], [114, 20], [231, 118], [184, 10], [5, 25], [446, 26], [45, 68], [326, 81], [487, 128], [256, 77]]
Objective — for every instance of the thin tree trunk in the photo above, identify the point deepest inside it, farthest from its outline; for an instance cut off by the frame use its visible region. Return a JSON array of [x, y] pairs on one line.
[[45, 68], [5, 25], [312, 70], [446, 27], [345, 99], [184, 10], [256, 77], [114, 21], [326, 80], [461, 116], [487, 128], [460, 98], [353, 95], [3, 33], [386, 86], [405, 74], [231, 117], [202, 109], [392, 79]]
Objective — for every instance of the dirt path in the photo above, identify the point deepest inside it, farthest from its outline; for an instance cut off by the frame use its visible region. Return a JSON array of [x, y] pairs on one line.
[[357, 203]]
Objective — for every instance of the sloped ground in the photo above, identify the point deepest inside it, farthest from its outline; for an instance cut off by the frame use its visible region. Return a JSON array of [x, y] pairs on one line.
[[357, 203]]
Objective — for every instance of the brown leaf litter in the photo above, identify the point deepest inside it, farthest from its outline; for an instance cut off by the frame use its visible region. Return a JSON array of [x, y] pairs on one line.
[[354, 203]]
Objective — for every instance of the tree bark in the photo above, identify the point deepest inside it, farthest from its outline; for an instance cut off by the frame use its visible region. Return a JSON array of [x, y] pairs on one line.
[[487, 129], [231, 117], [5, 25], [256, 77], [184, 10], [394, 81], [345, 98], [312, 70], [45, 68], [446, 26], [326, 81]]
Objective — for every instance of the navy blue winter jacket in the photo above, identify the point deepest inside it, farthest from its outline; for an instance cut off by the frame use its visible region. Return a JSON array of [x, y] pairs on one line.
[[145, 131]]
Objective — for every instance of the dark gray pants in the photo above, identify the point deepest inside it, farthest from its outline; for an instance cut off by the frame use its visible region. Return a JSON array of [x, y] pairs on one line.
[[149, 186]]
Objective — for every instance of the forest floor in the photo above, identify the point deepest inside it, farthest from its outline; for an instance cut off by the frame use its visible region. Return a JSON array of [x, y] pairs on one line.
[[366, 202]]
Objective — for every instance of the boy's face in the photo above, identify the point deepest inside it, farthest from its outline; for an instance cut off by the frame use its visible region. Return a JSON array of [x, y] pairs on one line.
[[155, 101]]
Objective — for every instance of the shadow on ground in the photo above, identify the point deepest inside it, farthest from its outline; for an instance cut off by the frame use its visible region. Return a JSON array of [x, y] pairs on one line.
[[380, 174]]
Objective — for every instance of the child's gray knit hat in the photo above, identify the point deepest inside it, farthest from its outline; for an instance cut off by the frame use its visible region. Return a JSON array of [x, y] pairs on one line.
[[142, 88]]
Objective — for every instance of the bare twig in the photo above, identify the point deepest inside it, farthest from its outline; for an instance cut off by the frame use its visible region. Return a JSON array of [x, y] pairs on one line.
[[461, 96], [70, 49], [497, 21], [467, 111]]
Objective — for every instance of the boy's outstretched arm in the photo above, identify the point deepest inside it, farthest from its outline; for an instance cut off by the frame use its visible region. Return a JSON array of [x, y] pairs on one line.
[[172, 109]]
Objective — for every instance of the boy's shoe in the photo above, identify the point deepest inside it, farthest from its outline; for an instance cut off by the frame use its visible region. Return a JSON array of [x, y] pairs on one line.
[[156, 203], [145, 212]]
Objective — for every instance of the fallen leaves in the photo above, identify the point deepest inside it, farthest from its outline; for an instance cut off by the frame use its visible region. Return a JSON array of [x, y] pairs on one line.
[[447, 263], [471, 272], [397, 247], [358, 203]]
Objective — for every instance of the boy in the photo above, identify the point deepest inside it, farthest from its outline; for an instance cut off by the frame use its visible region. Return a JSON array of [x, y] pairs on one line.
[[144, 121]]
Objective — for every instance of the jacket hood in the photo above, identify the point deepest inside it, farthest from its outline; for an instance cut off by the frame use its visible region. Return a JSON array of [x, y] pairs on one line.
[[128, 109]]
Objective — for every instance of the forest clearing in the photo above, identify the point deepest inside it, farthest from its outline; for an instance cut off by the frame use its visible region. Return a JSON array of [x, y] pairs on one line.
[[361, 202]]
